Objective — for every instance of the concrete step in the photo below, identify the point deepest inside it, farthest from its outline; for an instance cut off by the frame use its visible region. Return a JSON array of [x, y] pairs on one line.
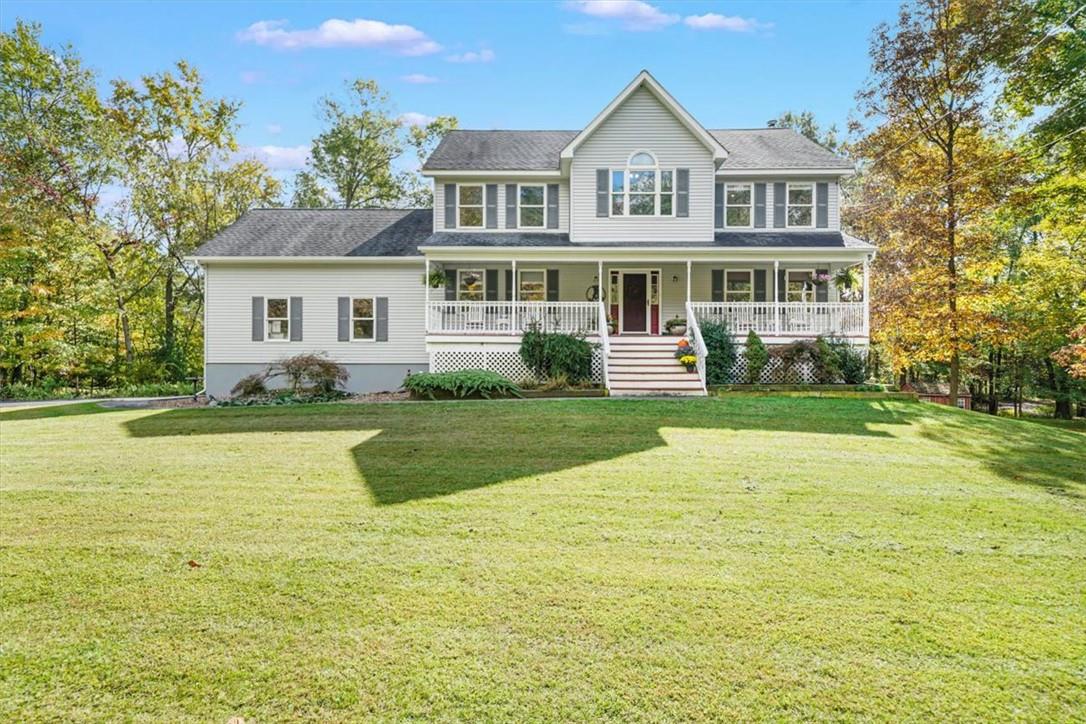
[[654, 384], [660, 378], [657, 393], [631, 352], [647, 369]]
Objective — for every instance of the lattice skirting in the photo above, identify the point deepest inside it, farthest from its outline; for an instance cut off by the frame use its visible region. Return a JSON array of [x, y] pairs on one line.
[[504, 362], [774, 373]]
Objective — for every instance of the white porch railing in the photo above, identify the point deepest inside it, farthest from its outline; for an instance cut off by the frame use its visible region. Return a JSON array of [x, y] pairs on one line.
[[791, 319], [512, 317], [694, 332], [605, 340]]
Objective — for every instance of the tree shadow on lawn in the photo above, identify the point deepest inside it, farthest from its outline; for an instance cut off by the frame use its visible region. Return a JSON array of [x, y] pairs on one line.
[[426, 450]]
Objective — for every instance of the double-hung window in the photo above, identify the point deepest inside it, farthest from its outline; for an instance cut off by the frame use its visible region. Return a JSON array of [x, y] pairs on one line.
[[532, 206], [738, 204], [277, 318], [799, 287], [469, 206], [533, 285], [642, 189], [739, 285], [800, 202], [362, 319], [470, 285]]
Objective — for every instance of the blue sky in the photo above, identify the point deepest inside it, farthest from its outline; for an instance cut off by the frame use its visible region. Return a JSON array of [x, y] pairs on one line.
[[493, 65]]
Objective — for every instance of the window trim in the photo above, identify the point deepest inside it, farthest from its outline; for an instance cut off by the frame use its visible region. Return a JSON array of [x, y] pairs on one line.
[[520, 288], [481, 206], [749, 206], [543, 206], [268, 318], [809, 273], [373, 307], [657, 171], [482, 275], [788, 204], [750, 276]]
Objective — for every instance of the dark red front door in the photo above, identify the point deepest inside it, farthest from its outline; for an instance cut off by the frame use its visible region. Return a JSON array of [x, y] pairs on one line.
[[634, 290]]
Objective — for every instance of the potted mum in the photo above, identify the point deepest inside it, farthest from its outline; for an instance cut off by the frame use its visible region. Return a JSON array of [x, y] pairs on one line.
[[612, 325], [675, 325], [686, 355]]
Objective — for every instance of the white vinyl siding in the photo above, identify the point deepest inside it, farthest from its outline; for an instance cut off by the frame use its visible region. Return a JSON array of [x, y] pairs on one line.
[[642, 122], [501, 181], [230, 287]]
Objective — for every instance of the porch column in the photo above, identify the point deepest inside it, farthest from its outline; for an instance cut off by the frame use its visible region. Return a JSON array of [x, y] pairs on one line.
[[777, 296], [516, 288], [867, 301], [599, 293], [688, 281], [426, 305]]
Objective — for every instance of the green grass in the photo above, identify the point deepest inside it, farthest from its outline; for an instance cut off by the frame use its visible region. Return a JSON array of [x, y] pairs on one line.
[[737, 558]]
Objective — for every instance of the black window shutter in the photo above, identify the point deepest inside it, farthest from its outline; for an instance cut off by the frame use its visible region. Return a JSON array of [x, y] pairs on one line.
[[759, 285], [778, 205], [450, 284], [381, 314], [552, 206], [508, 285], [492, 206], [682, 192], [511, 206], [781, 292], [822, 205], [602, 192], [552, 285], [759, 206], [258, 319], [822, 291], [718, 285], [343, 318], [295, 319], [491, 293], [718, 206], [450, 206]]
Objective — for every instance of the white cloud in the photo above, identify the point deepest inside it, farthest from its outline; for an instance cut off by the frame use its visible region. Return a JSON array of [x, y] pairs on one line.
[[634, 15], [248, 77], [418, 78], [273, 128], [716, 21], [277, 158], [412, 118], [483, 56], [337, 33]]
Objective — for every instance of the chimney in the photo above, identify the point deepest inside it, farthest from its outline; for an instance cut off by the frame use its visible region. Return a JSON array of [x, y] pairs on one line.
[[771, 123]]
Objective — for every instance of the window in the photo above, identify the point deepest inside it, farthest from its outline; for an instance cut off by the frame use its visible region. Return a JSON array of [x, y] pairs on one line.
[[533, 285], [799, 287], [532, 207], [277, 318], [641, 189], [470, 285], [800, 203], [469, 199], [362, 324], [739, 286], [738, 204]]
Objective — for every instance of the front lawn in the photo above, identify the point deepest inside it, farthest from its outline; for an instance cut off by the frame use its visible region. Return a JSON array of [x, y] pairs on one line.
[[527, 560]]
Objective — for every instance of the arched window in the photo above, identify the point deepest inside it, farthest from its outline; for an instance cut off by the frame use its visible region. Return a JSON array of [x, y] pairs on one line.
[[642, 188]]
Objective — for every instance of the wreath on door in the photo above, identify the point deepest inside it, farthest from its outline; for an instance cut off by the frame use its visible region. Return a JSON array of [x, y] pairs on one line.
[[592, 294]]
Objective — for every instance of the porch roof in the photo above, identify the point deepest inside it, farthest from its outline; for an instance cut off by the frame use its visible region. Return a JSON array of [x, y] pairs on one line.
[[834, 240]]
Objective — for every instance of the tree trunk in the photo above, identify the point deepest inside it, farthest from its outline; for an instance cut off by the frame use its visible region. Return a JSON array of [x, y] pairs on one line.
[[1059, 391], [169, 332]]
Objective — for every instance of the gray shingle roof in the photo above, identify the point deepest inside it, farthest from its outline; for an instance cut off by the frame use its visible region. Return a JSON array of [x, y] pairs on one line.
[[722, 239], [322, 232], [497, 239], [789, 239], [755, 148]]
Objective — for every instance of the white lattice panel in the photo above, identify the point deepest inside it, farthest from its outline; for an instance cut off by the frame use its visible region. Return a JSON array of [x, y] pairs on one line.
[[503, 361]]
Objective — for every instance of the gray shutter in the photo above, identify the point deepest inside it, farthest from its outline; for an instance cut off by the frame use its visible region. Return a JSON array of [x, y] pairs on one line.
[[258, 319], [508, 285], [450, 206], [759, 206], [780, 285], [602, 192], [450, 285], [759, 285], [511, 206], [718, 285], [778, 205], [822, 205], [552, 285], [552, 206], [295, 319], [682, 192], [491, 291], [492, 206], [381, 314], [718, 206], [822, 291], [343, 318]]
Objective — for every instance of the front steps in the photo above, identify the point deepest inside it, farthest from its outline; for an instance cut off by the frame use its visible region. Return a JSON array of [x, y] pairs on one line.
[[647, 366]]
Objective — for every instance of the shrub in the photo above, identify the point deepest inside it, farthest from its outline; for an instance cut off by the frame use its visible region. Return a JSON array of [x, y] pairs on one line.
[[757, 357], [850, 362], [461, 384], [795, 353], [321, 373], [827, 370], [722, 353], [549, 355], [251, 385]]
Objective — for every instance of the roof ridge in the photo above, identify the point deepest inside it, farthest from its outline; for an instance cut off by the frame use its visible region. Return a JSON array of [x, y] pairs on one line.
[[333, 208]]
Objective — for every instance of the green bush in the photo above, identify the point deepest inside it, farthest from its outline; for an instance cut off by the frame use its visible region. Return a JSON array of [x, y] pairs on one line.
[[550, 355], [461, 384], [827, 369], [850, 363], [321, 373], [251, 385], [757, 357], [49, 390], [722, 352]]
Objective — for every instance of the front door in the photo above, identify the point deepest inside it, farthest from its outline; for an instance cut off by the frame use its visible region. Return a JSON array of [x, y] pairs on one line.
[[634, 298]]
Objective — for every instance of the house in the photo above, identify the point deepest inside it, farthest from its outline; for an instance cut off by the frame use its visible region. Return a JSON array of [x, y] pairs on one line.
[[939, 392], [610, 231]]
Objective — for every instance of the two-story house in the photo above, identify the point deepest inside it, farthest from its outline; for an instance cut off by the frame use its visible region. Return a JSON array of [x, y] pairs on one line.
[[609, 231]]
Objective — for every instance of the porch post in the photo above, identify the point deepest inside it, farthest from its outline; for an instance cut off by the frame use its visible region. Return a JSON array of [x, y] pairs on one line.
[[426, 305], [514, 316], [688, 281], [867, 301], [599, 293], [777, 296]]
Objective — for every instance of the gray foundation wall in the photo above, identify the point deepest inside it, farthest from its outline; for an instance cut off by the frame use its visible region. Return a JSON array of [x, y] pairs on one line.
[[220, 377]]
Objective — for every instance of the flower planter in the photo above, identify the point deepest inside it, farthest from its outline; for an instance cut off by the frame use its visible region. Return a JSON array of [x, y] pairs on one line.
[[677, 331]]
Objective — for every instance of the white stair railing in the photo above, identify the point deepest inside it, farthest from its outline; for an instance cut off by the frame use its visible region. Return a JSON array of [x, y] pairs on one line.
[[605, 341], [694, 332]]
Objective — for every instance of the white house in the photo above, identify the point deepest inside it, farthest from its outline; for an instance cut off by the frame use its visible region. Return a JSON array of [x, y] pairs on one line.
[[642, 216]]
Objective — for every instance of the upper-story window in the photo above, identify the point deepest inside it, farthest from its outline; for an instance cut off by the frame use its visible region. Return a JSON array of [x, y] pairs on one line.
[[532, 206], [738, 204], [642, 188], [800, 201], [469, 206]]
